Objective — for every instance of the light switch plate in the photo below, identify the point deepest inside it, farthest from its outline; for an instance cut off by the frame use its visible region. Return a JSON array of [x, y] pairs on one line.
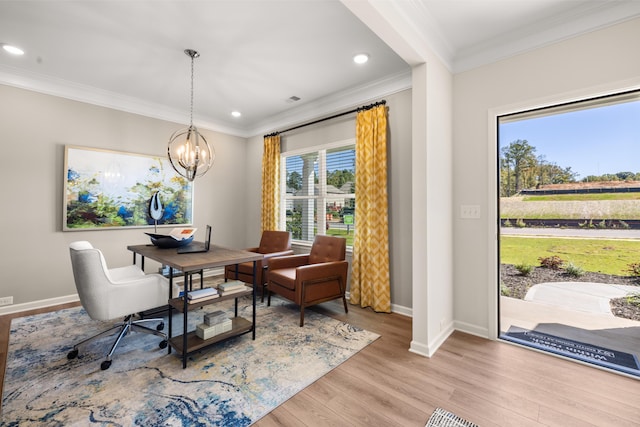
[[469, 211]]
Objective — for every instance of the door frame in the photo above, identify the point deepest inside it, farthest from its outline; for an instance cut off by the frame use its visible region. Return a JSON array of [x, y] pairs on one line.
[[493, 200]]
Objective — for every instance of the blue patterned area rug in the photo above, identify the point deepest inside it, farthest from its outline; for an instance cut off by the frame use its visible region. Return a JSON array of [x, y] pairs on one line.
[[234, 383]]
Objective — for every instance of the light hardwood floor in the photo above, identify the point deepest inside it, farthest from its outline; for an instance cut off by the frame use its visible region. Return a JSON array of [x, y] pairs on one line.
[[488, 382]]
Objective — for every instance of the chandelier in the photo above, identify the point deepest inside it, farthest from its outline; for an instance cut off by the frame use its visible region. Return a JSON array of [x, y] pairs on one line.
[[189, 152]]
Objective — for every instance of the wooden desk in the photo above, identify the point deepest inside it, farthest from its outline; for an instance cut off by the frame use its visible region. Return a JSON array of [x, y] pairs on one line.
[[189, 263]]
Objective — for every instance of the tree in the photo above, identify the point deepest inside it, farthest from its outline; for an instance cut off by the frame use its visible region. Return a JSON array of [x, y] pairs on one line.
[[625, 176], [520, 156], [294, 180], [551, 173], [338, 178]]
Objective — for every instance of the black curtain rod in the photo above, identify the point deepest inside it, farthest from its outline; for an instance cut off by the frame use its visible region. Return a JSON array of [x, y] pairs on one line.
[[356, 110]]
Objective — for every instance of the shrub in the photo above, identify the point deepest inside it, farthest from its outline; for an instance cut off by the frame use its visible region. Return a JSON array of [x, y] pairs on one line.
[[553, 262], [520, 223], [634, 269], [524, 269], [634, 299], [573, 270], [507, 223], [505, 291], [623, 225], [602, 224]]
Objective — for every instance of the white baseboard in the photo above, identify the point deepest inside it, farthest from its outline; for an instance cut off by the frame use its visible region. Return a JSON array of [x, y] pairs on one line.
[[398, 309], [431, 348], [468, 328], [419, 349], [16, 308]]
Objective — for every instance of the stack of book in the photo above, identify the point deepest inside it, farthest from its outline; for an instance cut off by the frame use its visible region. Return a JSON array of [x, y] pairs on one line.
[[214, 323], [232, 287], [203, 294]]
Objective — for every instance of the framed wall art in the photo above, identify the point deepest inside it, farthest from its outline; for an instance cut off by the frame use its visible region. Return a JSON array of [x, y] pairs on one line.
[[106, 189]]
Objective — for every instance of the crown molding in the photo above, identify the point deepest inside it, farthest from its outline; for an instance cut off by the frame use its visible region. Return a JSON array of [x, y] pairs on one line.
[[575, 22], [91, 95], [334, 103], [417, 27]]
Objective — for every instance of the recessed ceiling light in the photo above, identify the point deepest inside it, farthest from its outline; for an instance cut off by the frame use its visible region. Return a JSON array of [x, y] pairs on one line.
[[12, 49], [236, 113], [361, 58]]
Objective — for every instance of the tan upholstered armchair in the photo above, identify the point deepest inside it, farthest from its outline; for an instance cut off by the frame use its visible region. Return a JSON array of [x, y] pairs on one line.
[[311, 279], [272, 244]]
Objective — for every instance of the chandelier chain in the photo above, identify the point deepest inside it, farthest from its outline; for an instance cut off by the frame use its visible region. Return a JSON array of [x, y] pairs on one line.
[[191, 113]]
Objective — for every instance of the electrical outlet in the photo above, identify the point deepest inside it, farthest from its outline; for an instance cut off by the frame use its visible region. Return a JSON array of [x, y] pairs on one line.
[[6, 301], [470, 211]]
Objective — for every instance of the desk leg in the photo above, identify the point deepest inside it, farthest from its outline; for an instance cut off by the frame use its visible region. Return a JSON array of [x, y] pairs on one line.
[[255, 284], [170, 309], [184, 325], [141, 262], [236, 311]]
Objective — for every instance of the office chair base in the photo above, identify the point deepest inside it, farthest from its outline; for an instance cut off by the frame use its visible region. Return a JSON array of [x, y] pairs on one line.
[[124, 328]]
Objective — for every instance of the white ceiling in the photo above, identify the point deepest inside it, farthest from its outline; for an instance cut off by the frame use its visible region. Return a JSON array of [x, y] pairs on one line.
[[257, 54]]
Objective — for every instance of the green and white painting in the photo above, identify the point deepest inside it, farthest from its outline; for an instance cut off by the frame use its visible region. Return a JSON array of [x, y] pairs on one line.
[[106, 189]]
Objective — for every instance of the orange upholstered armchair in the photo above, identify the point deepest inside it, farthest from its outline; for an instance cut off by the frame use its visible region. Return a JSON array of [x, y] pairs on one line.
[[272, 244], [311, 279]]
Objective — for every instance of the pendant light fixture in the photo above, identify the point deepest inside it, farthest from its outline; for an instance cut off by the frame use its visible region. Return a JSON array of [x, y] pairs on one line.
[[189, 152]]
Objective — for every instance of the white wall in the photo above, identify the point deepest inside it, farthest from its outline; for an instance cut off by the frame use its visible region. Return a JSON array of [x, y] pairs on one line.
[[35, 129], [399, 24], [593, 64], [399, 182], [36, 266]]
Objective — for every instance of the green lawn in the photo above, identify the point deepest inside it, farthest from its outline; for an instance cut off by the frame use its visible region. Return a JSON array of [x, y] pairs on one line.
[[597, 255], [341, 233], [615, 206]]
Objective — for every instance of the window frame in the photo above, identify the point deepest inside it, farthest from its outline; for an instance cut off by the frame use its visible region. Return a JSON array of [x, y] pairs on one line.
[[321, 197]]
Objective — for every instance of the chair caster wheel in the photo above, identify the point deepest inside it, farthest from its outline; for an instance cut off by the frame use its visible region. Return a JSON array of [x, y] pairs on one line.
[[105, 365], [72, 354], [163, 344], [160, 326]]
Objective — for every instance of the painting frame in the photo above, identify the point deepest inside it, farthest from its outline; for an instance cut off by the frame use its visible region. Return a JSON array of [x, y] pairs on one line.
[[109, 189]]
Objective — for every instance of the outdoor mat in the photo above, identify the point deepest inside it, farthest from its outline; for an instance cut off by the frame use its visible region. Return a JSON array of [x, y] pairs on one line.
[[233, 383], [444, 418], [612, 359]]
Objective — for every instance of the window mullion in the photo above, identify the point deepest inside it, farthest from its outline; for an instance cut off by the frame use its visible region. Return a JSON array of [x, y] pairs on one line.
[[321, 204], [282, 225]]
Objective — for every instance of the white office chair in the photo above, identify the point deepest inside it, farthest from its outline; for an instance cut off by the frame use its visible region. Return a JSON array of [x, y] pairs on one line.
[[108, 294]]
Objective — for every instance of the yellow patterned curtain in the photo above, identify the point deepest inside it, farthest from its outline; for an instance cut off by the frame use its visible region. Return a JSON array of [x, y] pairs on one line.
[[370, 284], [270, 183]]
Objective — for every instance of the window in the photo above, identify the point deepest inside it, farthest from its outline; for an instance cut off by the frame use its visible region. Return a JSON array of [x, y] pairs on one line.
[[318, 192]]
